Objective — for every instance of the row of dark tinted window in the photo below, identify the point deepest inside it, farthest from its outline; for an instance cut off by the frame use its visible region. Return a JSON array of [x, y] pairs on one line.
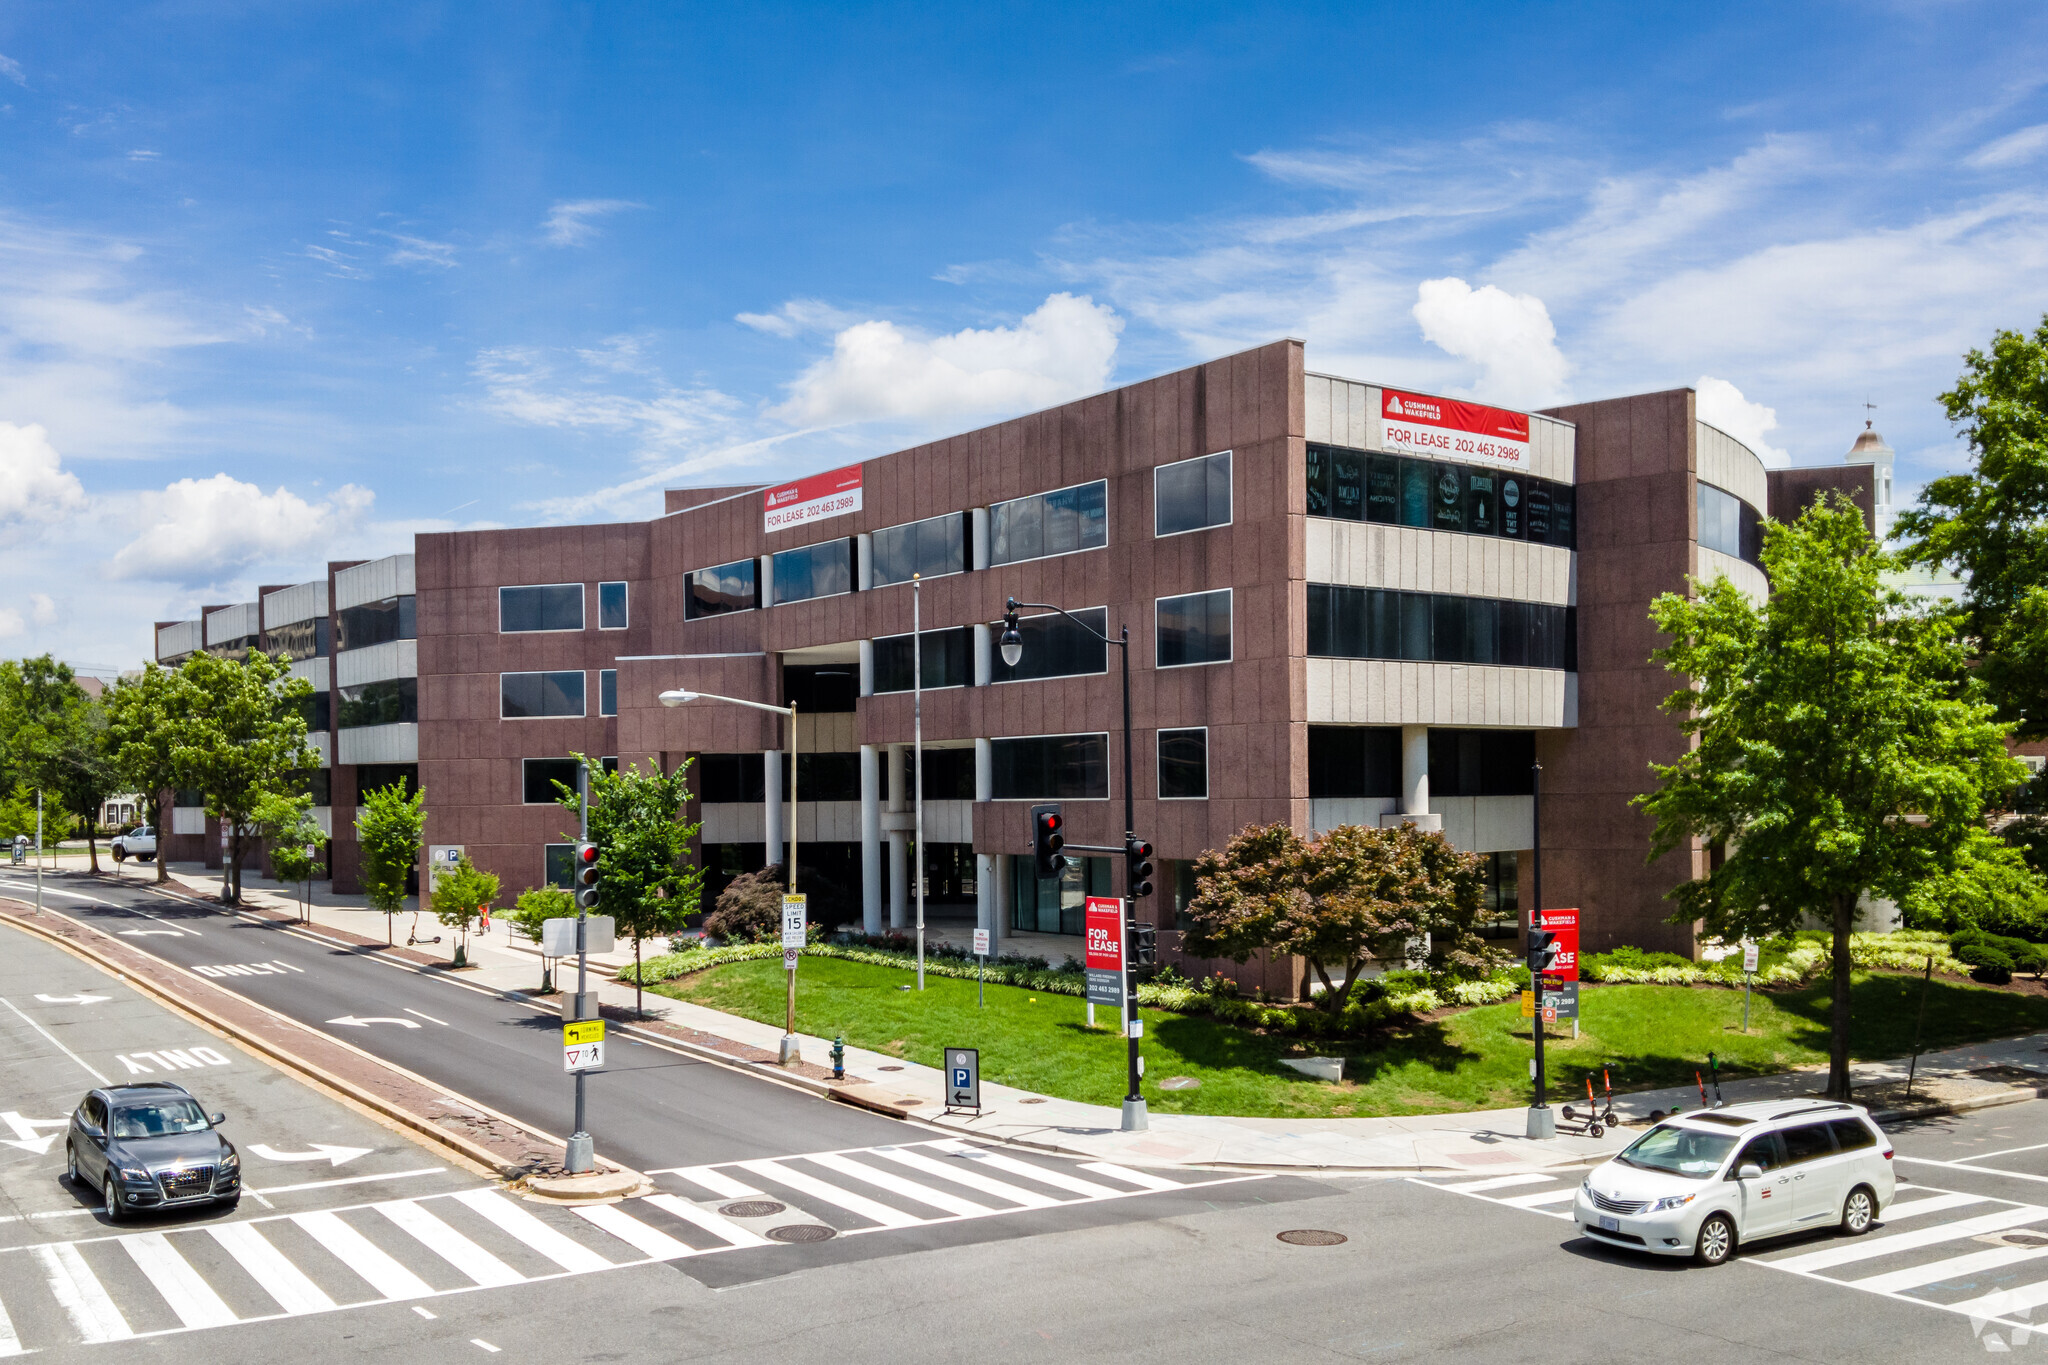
[[552, 606], [317, 783], [1351, 485], [720, 590], [931, 548], [1365, 761], [1045, 524], [375, 623], [726, 778], [317, 709], [1050, 768], [301, 639], [948, 660], [237, 648], [394, 701], [1730, 525], [1380, 623], [527, 696], [821, 570], [948, 774], [1054, 647], [372, 777], [818, 688]]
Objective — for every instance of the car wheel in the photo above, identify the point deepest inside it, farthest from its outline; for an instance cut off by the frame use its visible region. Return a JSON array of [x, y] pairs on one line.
[[71, 1165], [110, 1190], [1859, 1211], [1716, 1240]]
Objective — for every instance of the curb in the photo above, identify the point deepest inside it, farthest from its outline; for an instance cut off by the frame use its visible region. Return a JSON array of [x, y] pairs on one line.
[[1963, 1106], [472, 1152]]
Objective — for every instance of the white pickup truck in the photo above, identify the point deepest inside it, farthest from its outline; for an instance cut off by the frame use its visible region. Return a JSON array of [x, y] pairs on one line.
[[138, 843]]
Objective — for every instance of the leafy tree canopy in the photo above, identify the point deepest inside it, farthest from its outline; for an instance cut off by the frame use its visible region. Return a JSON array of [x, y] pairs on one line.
[[54, 737], [649, 885], [388, 831], [243, 738], [1991, 524], [146, 720]]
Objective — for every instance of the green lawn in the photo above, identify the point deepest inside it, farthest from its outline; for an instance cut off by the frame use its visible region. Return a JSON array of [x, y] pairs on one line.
[[1650, 1036]]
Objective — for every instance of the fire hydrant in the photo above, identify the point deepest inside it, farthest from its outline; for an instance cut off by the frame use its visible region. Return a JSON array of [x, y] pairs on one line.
[[839, 1058]]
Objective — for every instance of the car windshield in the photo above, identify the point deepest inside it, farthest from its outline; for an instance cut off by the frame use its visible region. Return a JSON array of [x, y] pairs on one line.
[[1679, 1151], [159, 1118]]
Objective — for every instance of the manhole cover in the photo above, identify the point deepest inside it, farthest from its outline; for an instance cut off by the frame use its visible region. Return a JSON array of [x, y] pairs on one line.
[[1304, 1237], [752, 1208], [801, 1232], [2015, 1239], [888, 1068], [907, 1104], [1035, 1099], [1179, 1083]]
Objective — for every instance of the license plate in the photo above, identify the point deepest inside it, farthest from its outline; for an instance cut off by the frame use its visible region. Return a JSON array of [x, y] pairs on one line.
[[1609, 1224]]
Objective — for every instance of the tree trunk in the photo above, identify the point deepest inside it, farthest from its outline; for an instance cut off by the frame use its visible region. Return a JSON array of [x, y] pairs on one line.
[[92, 850], [1838, 1042], [230, 874]]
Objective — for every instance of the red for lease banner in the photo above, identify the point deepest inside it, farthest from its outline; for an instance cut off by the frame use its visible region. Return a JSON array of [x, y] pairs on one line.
[[830, 494], [1104, 934], [1448, 429], [1565, 924]]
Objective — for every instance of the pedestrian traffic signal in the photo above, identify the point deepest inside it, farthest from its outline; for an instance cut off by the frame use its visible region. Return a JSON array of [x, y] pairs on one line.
[[1047, 838], [1542, 951], [1138, 861], [1144, 944], [586, 876]]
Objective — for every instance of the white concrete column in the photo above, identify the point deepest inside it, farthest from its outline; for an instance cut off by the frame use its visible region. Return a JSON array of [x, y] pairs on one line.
[[765, 580], [863, 562], [895, 797], [899, 879], [1415, 770], [977, 521], [867, 668], [984, 667], [984, 770], [870, 840], [771, 802]]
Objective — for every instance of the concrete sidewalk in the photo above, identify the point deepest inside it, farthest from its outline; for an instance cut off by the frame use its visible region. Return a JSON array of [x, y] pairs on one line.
[[1489, 1141]]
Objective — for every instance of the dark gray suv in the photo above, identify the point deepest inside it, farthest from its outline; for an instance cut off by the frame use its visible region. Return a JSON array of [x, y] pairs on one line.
[[151, 1146]]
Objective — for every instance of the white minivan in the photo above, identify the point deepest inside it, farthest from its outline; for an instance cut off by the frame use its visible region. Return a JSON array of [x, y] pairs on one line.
[[1703, 1183]]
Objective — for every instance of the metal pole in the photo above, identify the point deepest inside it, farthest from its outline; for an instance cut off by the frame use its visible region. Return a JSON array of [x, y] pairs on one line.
[[1541, 1122], [39, 851], [789, 1044], [917, 871], [581, 1155], [1926, 984], [1134, 1102]]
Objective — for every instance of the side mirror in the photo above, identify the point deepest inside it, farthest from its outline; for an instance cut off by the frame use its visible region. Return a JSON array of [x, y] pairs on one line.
[[1750, 1171], [217, 1119]]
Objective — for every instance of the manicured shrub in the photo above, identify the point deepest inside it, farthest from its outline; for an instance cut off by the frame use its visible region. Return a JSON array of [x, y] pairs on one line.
[[1988, 962]]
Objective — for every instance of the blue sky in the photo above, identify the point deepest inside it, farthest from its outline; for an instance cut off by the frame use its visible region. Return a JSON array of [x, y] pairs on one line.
[[285, 281]]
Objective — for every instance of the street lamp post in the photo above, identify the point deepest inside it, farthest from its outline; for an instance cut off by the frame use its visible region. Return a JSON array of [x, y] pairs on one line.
[[1134, 1117], [917, 871], [790, 1052]]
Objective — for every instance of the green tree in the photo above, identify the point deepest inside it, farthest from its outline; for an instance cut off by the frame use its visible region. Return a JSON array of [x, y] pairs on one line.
[[244, 738], [1991, 524], [1987, 886], [535, 907], [648, 885], [17, 813], [56, 738], [293, 838], [458, 896], [1841, 749], [1356, 895], [146, 717], [388, 831]]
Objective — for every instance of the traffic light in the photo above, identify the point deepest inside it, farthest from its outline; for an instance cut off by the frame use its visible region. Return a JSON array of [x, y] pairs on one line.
[[1542, 951], [586, 876], [1047, 838], [1138, 862], [1144, 945]]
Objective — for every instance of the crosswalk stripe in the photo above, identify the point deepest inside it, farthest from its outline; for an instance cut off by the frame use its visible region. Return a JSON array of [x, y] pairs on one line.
[[955, 1171], [1059, 1180], [2004, 1302], [1541, 1197], [1142, 1179], [818, 1189], [1952, 1268], [509, 1218], [450, 1245], [1936, 1203], [293, 1289], [716, 1181], [1498, 1182], [714, 1223], [189, 1296], [363, 1256], [622, 1225], [1867, 1248], [10, 1343], [83, 1297], [896, 1184]]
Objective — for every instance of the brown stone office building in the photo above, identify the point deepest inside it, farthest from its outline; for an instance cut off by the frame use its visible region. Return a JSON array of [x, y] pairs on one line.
[[1345, 602]]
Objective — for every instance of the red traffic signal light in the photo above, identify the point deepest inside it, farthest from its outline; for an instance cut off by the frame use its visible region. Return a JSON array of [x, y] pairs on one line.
[[1138, 865], [1047, 839], [586, 875]]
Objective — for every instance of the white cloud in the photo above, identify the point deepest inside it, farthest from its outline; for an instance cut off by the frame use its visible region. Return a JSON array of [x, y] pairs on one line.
[[419, 251], [339, 263], [11, 69], [2013, 148], [204, 530], [34, 485], [142, 154], [1720, 404], [568, 222], [1064, 349], [525, 385], [796, 316], [1509, 336], [42, 608]]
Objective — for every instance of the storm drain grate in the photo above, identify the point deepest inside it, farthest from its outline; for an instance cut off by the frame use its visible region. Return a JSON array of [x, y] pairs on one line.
[[752, 1208], [802, 1232], [1312, 1237]]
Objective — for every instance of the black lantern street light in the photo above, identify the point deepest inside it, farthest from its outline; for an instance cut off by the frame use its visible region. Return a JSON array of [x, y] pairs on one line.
[[1136, 853]]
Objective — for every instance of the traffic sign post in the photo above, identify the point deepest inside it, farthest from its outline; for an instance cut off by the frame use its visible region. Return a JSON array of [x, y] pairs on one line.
[[963, 1079], [1750, 956], [795, 929], [981, 969]]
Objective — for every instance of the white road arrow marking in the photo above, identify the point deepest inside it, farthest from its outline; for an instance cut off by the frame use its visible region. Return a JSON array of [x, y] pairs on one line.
[[25, 1132], [82, 998], [333, 1155], [352, 1022], [143, 933]]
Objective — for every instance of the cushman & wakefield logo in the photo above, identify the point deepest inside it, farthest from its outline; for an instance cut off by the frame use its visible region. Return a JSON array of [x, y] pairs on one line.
[[1412, 408]]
